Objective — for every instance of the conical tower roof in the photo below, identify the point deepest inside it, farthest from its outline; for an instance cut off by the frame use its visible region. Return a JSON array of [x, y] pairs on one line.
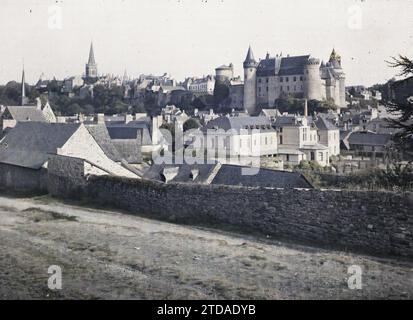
[[250, 60], [91, 55]]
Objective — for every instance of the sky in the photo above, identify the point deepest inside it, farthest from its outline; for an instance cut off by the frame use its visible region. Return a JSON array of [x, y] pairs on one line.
[[192, 37]]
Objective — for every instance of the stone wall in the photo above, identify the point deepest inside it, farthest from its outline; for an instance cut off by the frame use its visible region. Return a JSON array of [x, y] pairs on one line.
[[14, 179], [371, 222]]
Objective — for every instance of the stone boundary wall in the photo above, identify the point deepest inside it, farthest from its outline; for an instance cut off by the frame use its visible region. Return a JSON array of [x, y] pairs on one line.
[[371, 222], [22, 181]]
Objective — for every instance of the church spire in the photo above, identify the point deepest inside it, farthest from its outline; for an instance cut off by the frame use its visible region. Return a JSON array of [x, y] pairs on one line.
[[91, 66], [24, 99], [91, 55]]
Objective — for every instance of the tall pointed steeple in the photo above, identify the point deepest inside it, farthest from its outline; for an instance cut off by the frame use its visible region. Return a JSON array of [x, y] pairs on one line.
[[91, 66], [91, 55], [24, 99]]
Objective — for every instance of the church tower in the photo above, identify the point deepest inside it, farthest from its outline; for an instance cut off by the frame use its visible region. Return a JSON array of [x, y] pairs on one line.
[[91, 66], [250, 82]]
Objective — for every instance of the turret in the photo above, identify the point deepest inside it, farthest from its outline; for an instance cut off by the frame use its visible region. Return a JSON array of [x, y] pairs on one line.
[[312, 83], [250, 82]]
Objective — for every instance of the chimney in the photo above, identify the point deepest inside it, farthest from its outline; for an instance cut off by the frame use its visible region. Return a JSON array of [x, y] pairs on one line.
[[100, 118], [305, 108], [128, 118], [39, 103]]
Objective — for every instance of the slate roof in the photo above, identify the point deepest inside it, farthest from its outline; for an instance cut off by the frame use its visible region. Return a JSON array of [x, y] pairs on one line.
[[101, 136], [289, 66], [283, 121], [271, 112], [232, 175], [266, 68], [28, 144], [130, 150], [184, 172], [293, 65], [322, 123], [369, 138], [238, 123], [131, 131], [26, 113]]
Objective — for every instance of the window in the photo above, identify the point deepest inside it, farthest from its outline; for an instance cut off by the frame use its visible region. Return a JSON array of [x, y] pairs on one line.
[[288, 88], [266, 80], [288, 157], [320, 154], [259, 89], [267, 89], [266, 140], [259, 80], [295, 79], [287, 79], [281, 79], [312, 156], [281, 139], [301, 78]]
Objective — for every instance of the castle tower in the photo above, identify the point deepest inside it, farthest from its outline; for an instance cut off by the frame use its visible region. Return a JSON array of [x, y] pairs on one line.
[[312, 83], [335, 61], [250, 82], [24, 100], [91, 66]]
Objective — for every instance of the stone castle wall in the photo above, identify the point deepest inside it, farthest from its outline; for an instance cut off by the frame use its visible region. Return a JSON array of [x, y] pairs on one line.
[[372, 222]]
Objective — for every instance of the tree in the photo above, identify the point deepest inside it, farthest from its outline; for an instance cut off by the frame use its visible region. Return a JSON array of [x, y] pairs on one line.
[[191, 124], [73, 109], [402, 105], [221, 92]]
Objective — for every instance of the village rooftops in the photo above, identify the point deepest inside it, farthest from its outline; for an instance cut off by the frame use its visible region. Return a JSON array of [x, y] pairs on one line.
[[29, 143], [224, 174], [24, 113]]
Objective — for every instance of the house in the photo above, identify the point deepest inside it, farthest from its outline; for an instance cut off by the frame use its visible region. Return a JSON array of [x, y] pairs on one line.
[[39, 113], [367, 142], [25, 150], [328, 134], [240, 136], [298, 140]]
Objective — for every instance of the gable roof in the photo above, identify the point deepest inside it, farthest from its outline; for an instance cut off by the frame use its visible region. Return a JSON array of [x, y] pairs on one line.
[[287, 66], [293, 65], [25, 113], [369, 138], [28, 144], [322, 123], [101, 136]]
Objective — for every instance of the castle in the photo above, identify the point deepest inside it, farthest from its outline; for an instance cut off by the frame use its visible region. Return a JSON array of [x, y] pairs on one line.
[[299, 76]]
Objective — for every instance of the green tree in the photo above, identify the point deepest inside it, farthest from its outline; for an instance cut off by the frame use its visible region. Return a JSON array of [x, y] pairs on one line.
[[73, 109], [403, 106], [191, 124], [221, 92]]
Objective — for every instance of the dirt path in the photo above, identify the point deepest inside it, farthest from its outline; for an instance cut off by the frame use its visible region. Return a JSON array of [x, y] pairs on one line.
[[109, 255]]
